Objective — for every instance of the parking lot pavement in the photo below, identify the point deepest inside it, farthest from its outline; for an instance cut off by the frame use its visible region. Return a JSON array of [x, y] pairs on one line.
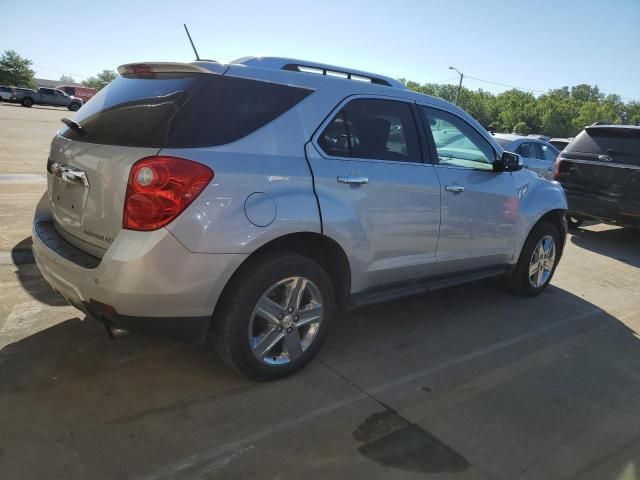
[[465, 383]]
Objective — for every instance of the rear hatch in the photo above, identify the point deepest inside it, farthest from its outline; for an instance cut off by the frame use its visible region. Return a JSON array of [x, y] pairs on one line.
[[600, 172], [130, 119]]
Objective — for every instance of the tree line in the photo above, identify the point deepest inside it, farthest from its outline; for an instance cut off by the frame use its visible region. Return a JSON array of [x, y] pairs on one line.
[[16, 71], [561, 112]]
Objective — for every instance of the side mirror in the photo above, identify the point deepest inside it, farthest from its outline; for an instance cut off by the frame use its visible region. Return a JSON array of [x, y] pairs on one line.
[[508, 162]]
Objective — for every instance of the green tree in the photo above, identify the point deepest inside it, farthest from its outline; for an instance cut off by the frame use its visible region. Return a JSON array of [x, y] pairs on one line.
[[521, 128], [67, 79], [631, 113], [101, 80], [561, 112], [556, 111], [515, 106], [15, 70], [586, 93]]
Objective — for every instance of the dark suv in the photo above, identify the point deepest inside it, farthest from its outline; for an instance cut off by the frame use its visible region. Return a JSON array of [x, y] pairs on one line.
[[600, 173]]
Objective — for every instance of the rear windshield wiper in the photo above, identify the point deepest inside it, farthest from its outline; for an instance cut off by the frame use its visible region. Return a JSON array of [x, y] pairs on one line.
[[75, 126]]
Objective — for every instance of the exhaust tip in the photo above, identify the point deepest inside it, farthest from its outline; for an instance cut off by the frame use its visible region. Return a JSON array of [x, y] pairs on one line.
[[115, 332]]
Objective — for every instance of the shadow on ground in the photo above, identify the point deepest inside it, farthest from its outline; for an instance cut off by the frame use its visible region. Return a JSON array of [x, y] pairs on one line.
[[30, 277], [68, 394], [623, 244]]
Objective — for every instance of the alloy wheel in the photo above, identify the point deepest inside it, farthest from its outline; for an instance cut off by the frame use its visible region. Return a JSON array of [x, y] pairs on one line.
[[285, 321], [542, 261]]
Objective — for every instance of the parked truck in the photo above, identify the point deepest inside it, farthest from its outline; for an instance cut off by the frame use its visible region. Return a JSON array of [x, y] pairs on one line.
[[47, 96]]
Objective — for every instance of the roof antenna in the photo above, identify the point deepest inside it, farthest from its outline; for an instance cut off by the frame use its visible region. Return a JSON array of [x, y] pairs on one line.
[[192, 45]]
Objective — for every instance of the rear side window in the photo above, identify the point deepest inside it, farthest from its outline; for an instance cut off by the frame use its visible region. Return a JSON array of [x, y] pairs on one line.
[[621, 144], [549, 153], [373, 129], [182, 110]]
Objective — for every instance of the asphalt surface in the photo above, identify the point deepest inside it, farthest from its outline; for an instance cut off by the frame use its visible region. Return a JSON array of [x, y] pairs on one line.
[[466, 383]]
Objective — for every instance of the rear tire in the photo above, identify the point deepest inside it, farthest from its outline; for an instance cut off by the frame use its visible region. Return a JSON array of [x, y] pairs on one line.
[[27, 102], [535, 269], [574, 222], [241, 333]]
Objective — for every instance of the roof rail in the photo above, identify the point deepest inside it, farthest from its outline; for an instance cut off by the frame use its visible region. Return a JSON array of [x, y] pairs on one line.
[[278, 63]]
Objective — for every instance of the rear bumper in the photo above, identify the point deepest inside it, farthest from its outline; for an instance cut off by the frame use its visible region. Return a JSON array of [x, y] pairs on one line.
[[149, 281], [619, 212]]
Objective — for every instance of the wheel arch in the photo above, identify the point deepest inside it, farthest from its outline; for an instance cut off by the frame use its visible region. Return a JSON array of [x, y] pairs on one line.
[[555, 217], [320, 248]]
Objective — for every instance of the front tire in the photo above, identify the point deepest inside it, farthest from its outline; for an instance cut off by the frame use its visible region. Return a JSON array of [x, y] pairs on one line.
[[74, 107], [274, 316], [27, 102], [538, 261]]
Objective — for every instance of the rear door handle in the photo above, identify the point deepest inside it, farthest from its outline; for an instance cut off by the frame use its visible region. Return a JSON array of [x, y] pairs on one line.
[[454, 188], [353, 179]]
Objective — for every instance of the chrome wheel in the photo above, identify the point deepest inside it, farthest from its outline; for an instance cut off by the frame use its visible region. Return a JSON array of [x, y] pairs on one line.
[[542, 261], [285, 321]]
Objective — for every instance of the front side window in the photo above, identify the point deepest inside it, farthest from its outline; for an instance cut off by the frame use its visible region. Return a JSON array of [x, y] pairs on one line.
[[373, 129], [457, 143]]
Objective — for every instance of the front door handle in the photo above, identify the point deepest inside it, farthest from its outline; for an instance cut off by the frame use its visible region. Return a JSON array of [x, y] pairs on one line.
[[454, 188], [353, 179]]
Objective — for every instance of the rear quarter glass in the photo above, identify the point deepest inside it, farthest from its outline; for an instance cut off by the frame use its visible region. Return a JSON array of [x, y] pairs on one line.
[[181, 110]]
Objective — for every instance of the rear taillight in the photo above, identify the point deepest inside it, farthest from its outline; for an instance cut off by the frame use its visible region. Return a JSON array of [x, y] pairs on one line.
[[556, 167], [159, 189]]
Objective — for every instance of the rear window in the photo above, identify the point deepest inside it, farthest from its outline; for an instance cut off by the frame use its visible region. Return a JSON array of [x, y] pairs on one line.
[[600, 140], [503, 142], [181, 110]]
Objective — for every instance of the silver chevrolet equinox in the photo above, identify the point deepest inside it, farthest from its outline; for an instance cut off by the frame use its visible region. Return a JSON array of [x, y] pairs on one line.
[[248, 203]]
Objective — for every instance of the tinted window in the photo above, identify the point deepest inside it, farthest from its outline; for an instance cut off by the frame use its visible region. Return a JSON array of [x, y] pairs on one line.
[[458, 143], [373, 129], [47, 91], [333, 139], [548, 152], [559, 144], [536, 152], [621, 144], [524, 150], [182, 110]]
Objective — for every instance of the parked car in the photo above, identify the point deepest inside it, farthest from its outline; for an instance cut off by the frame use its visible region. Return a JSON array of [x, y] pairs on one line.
[[600, 173], [537, 155], [285, 191], [5, 93], [538, 136], [47, 96], [18, 94], [560, 143], [85, 93]]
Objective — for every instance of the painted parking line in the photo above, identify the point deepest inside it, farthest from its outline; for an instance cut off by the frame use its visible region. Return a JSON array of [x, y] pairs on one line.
[[22, 178], [200, 464]]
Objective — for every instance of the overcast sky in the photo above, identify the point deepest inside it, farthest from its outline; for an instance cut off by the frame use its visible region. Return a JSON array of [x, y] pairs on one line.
[[534, 45]]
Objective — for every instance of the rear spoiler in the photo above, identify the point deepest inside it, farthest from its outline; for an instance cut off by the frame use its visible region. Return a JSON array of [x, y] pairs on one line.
[[151, 68], [628, 131]]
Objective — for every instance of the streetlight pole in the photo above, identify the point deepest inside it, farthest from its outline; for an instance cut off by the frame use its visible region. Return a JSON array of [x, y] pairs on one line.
[[460, 84]]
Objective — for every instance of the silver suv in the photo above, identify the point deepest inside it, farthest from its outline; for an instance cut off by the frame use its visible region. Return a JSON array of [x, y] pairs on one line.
[[246, 203]]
